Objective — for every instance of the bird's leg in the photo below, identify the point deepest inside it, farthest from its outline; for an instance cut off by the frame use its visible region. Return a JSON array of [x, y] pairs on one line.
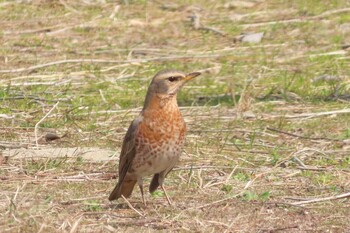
[[161, 181], [143, 196], [166, 195], [140, 183]]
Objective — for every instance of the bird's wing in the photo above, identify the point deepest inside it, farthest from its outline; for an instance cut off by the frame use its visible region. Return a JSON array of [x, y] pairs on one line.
[[126, 156], [128, 149]]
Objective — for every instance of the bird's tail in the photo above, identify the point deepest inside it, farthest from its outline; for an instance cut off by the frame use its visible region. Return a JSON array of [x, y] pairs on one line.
[[125, 188]]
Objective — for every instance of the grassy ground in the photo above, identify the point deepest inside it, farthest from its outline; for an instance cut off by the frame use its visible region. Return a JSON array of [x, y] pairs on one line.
[[256, 146]]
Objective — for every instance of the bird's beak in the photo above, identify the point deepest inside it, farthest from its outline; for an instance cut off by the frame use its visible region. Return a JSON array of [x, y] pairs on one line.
[[177, 86], [192, 75]]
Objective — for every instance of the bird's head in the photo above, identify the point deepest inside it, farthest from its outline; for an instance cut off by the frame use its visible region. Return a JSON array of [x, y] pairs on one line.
[[169, 82]]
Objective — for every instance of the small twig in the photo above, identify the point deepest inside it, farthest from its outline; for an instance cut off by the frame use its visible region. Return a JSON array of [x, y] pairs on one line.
[[331, 12], [66, 82], [6, 116], [274, 22], [207, 168], [312, 168], [16, 194], [217, 202], [298, 20], [42, 119], [249, 183], [131, 207], [301, 163], [196, 24], [42, 227], [344, 195], [40, 30], [299, 136], [34, 98], [311, 115], [108, 160], [230, 175], [107, 213], [115, 11], [293, 155], [280, 229], [14, 145], [216, 31], [69, 7], [31, 68], [331, 53], [75, 225], [86, 24], [102, 96]]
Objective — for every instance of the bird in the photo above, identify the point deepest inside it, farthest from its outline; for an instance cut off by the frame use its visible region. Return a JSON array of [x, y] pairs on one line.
[[154, 140]]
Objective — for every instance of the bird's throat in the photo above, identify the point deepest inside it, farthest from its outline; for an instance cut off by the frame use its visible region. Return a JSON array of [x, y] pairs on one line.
[[160, 101]]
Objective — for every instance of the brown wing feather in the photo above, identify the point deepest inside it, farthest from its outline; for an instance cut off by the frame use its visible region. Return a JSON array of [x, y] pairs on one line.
[[126, 157]]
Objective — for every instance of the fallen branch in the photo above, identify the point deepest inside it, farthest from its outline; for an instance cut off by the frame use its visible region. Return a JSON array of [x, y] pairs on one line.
[[344, 195]]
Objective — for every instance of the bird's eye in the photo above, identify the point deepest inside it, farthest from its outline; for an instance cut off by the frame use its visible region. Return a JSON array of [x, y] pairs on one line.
[[172, 78]]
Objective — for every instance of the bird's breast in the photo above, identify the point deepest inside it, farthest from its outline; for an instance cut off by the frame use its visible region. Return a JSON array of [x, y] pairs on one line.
[[159, 141], [162, 125]]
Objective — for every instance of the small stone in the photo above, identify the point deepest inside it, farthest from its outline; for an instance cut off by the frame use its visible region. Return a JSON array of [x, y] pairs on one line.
[[250, 37]]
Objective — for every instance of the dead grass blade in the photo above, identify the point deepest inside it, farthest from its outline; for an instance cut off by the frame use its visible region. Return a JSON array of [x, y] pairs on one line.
[[344, 195]]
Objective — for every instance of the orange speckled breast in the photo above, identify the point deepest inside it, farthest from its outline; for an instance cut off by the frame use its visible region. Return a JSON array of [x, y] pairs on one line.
[[159, 140]]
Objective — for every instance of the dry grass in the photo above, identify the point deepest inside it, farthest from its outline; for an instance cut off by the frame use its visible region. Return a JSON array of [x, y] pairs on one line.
[[268, 122]]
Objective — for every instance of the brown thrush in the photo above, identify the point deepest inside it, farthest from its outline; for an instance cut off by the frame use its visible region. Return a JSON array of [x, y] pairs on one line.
[[154, 140]]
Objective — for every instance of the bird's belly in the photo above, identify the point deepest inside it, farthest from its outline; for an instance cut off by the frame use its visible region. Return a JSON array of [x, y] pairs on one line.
[[157, 159]]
